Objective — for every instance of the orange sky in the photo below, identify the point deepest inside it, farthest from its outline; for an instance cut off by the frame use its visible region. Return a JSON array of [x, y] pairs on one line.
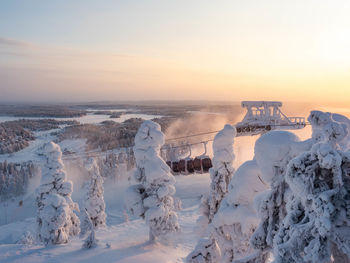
[[230, 50]]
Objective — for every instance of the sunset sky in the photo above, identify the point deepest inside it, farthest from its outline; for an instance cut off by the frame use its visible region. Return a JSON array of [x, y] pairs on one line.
[[61, 50]]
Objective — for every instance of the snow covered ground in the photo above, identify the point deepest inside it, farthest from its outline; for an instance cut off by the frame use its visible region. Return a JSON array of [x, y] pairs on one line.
[[123, 240]]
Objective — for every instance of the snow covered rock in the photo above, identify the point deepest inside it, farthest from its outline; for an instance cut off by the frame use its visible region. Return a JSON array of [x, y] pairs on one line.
[[94, 202], [152, 197], [56, 218]]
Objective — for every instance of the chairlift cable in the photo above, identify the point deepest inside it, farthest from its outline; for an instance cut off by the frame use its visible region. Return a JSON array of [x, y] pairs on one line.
[[166, 146]]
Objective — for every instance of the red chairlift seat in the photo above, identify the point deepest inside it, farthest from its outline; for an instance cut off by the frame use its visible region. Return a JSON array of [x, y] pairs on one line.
[[190, 166], [206, 164], [202, 163], [182, 166], [197, 165], [185, 164], [175, 167]]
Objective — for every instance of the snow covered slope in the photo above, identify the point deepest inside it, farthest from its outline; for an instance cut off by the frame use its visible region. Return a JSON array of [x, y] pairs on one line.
[[123, 240]]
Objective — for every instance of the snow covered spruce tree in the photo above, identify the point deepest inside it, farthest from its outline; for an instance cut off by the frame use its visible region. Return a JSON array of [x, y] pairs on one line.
[[220, 173], [317, 222], [207, 249], [94, 202], [152, 198], [56, 218]]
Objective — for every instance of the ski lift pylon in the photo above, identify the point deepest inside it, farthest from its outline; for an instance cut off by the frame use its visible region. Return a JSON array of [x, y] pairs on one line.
[[264, 116]]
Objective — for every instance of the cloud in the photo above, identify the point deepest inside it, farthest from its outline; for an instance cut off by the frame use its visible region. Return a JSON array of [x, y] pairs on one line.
[[10, 42]]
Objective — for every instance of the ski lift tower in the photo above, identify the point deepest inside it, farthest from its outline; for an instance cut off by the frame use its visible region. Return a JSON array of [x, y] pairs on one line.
[[264, 116]]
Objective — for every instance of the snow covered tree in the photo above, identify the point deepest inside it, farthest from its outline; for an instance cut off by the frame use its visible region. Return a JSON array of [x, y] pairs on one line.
[[208, 249], [94, 202], [152, 198], [316, 225], [87, 225], [273, 156], [221, 172], [56, 218]]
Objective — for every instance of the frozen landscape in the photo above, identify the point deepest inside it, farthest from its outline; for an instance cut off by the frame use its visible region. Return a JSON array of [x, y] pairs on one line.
[[165, 131], [124, 238], [135, 202]]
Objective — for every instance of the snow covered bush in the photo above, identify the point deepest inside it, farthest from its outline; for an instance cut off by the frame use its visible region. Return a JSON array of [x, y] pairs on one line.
[[221, 172], [94, 202], [206, 251], [56, 218], [152, 198], [26, 239]]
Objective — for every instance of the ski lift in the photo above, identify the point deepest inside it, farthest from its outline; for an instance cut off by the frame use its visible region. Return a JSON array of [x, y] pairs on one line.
[[261, 117]]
